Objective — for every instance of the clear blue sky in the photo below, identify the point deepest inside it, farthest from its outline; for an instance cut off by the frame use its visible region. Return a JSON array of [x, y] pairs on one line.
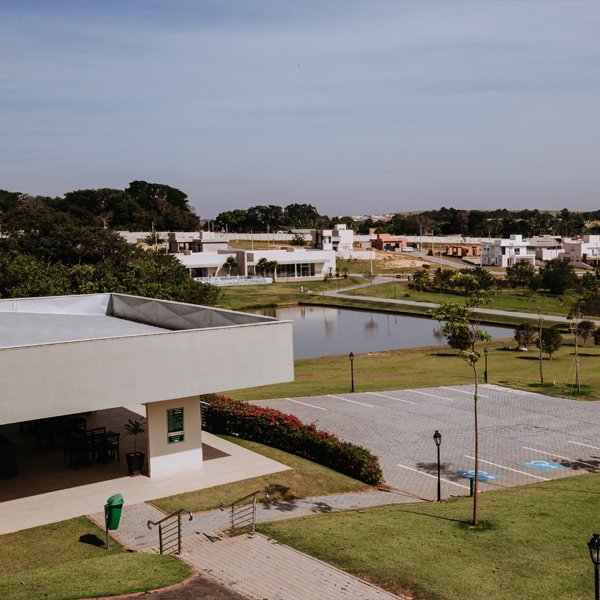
[[353, 106]]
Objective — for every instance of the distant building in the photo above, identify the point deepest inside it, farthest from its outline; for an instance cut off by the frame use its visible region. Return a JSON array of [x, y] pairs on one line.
[[545, 247], [339, 239], [470, 251], [585, 250], [385, 241], [506, 252]]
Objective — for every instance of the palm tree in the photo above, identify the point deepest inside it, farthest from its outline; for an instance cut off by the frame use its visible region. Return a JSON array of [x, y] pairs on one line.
[[230, 264]]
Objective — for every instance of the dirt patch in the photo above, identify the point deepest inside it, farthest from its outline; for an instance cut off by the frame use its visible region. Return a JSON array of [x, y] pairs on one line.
[[195, 588]]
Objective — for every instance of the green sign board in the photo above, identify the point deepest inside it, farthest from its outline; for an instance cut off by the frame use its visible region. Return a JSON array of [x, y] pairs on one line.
[[174, 425]]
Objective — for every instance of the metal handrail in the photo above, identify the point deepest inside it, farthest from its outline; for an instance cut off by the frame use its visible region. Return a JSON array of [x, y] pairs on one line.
[[246, 512], [171, 532]]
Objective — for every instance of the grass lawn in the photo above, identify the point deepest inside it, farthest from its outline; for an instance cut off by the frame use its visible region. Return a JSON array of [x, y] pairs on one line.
[[247, 297], [305, 479], [68, 560], [431, 366], [397, 263], [516, 300], [531, 543]]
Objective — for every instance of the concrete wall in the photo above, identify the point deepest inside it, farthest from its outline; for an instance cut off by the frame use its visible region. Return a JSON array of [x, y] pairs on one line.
[[165, 458], [56, 379]]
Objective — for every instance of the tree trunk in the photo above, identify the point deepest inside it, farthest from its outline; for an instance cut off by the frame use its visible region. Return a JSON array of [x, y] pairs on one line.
[[476, 481]]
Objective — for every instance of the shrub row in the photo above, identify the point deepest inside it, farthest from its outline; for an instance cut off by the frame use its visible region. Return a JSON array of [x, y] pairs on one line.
[[286, 432]]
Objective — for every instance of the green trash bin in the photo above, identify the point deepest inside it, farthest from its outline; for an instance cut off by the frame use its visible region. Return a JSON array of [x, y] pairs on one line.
[[112, 511]]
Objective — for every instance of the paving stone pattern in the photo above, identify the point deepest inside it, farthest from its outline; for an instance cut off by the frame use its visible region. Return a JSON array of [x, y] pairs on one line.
[[515, 426]]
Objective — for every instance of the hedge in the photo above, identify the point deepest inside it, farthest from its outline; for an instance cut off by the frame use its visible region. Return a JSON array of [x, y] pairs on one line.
[[286, 432]]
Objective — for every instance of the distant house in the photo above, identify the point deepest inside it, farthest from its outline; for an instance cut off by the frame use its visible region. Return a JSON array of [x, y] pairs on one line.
[[500, 252], [545, 247], [585, 250], [385, 241], [470, 251], [339, 239]]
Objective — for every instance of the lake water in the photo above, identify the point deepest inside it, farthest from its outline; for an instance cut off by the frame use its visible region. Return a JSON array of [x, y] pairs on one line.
[[322, 331]]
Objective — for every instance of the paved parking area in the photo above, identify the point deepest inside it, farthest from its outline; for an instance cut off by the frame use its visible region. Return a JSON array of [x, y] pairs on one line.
[[524, 437]]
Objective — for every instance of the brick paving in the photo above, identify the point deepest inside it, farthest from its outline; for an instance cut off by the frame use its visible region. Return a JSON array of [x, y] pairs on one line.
[[515, 427], [255, 566]]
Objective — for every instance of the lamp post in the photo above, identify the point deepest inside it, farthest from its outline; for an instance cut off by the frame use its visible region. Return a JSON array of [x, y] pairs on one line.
[[351, 357], [485, 372], [594, 546], [437, 438]]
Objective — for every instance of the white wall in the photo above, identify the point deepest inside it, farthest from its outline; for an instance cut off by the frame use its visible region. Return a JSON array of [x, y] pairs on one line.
[[56, 379]]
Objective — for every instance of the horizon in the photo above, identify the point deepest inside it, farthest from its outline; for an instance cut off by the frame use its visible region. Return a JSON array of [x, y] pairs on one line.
[[402, 107]]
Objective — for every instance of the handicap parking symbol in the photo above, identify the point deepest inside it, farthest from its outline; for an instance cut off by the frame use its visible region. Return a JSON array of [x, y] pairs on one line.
[[483, 475], [541, 465]]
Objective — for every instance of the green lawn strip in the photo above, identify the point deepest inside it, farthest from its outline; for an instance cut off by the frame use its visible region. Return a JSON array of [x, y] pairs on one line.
[[247, 297], [531, 544], [437, 365], [68, 560], [304, 479], [95, 577], [514, 300]]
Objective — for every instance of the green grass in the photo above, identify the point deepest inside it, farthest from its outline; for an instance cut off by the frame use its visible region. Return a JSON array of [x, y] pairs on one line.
[[67, 560], [531, 544], [514, 300], [305, 479], [431, 366], [247, 297]]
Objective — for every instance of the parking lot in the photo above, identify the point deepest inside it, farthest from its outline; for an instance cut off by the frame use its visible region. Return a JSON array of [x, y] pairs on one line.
[[523, 437]]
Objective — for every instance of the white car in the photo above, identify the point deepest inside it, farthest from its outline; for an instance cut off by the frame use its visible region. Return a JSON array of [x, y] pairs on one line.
[[408, 249]]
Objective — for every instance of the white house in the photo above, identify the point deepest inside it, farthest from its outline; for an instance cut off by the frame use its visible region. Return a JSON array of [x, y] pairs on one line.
[[506, 252], [585, 250], [545, 247], [340, 239]]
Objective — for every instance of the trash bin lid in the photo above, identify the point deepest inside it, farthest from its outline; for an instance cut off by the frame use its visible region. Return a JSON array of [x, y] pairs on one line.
[[115, 500]]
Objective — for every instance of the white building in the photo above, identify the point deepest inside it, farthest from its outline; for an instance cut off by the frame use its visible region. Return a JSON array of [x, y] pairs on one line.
[[585, 250], [506, 252], [339, 239], [545, 247]]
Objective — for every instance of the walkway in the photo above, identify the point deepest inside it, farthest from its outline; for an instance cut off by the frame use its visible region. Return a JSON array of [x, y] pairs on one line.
[[258, 567], [480, 310]]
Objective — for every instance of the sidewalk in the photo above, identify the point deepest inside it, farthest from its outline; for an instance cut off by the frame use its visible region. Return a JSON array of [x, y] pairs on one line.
[[258, 567]]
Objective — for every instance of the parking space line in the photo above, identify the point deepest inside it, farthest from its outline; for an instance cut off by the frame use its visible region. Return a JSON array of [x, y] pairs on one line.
[[347, 400], [391, 397], [462, 391], [487, 462], [431, 395], [434, 476], [306, 404], [581, 462], [586, 445]]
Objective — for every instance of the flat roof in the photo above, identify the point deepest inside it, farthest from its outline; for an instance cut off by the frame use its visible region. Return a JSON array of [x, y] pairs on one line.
[[24, 329], [58, 319]]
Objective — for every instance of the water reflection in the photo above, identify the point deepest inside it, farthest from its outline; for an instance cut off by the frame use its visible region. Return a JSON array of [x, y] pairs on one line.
[[322, 331]]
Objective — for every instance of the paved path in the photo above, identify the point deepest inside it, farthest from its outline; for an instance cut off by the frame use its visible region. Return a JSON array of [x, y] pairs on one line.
[[480, 310], [257, 567]]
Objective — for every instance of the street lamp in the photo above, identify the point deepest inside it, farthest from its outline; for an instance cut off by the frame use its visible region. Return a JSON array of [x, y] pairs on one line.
[[351, 357], [485, 355], [437, 438], [594, 546]]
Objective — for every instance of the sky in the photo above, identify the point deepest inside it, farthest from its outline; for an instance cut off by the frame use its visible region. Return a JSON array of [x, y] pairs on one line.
[[356, 107]]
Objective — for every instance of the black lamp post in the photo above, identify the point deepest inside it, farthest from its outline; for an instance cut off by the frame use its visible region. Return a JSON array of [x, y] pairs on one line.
[[594, 546], [351, 357], [437, 438], [485, 354]]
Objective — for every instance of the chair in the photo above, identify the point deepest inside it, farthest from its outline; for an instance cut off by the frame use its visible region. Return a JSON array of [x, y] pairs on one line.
[[80, 452], [111, 446]]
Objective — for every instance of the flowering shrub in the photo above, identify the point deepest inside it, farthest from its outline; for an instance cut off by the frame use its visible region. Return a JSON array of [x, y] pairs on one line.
[[286, 432]]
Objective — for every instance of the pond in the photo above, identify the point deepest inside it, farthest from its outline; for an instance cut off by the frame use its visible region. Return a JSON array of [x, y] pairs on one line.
[[324, 330]]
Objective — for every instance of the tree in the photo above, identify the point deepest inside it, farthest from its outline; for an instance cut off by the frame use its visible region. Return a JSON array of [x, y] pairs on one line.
[[525, 334], [420, 279], [459, 321], [557, 276], [298, 240], [230, 265], [549, 341], [585, 330], [232, 221], [597, 337], [301, 216], [521, 275]]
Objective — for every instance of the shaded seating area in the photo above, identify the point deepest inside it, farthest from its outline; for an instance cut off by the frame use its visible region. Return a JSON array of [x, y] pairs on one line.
[[92, 445]]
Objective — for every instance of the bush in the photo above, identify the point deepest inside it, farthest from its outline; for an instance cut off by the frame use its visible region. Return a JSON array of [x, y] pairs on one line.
[[286, 432]]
